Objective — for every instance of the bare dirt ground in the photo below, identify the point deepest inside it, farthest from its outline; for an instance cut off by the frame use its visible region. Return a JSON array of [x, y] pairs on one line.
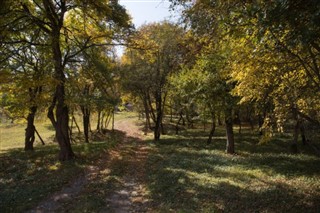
[[130, 195]]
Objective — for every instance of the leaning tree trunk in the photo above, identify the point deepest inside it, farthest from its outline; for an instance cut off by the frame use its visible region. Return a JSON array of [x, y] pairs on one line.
[[30, 130], [229, 131]]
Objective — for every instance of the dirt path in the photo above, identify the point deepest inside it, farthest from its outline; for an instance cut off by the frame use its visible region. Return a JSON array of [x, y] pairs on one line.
[[130, 195]]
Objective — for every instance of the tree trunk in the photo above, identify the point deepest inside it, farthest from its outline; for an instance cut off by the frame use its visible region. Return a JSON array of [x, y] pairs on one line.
[[146, 109], [260, 123], [98, 122], [102, 120], [171, 113], [62, 127], [294, 145], [177, 125], [303, 134], [219, 119], [213, 128], [150, 108], [229, 131], [113, 111], [86, 121], [30, 130], [163, 132], [76, 123], [157, 128], [62, 111]]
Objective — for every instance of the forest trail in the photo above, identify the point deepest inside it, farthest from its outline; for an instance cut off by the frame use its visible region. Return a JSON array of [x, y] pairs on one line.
[[127, 160], [131, 155]]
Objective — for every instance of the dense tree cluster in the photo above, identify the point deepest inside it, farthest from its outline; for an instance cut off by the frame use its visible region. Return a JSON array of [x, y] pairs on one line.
[[254, 62]]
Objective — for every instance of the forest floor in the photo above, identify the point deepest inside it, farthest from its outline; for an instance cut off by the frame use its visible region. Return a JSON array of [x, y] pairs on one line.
[[116, 183], [126, 171]]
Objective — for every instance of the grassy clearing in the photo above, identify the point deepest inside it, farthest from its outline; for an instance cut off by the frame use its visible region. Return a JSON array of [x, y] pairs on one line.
[[12, 135], [186, 175]]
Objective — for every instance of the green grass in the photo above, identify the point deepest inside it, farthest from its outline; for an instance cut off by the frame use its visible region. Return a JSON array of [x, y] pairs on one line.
[[186, 175], [26, 178], [12, 135]]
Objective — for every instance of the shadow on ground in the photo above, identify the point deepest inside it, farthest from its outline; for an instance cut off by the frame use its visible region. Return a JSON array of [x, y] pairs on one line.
[[187, 175]]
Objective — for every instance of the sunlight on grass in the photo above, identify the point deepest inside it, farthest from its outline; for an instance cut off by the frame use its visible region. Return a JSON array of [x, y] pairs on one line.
[[54, 167], [32, 176], [186, 175]]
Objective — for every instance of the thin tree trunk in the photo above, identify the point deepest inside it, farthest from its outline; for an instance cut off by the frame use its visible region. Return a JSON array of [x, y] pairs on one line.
[[76, 123], [219, 119], [213, 128], [229, 131], [146, 109], [71, 129], [98, 122], [171, 113], [163, 132], [260, 123], [294, 145], [303, 134], [86, 121], [151, 110], [177, 125], [113, 111], [102, 120], [40, 138], [157, 128], [107, 122]]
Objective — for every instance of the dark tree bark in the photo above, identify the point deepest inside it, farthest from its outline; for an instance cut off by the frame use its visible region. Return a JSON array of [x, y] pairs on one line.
[[163, 132], [146, 109], [150, 108], [61, 123], [303, 134], [30, 130], [157, 128], [76, 123], [219, 119], [113, 111], [178, 123], [229, 131], [294, 145], [99, 120], [86, 121], [213, 128], [238, 120], [260, 123]]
